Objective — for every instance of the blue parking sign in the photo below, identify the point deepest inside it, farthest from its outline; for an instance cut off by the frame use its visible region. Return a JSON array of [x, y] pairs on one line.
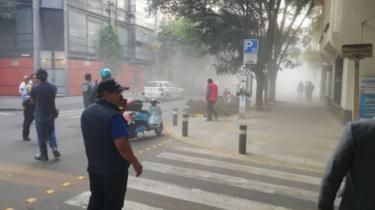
[[250, 46], [250, 51]]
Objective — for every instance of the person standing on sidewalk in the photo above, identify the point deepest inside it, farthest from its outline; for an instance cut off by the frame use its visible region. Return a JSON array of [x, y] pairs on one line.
[[23, 84], [44, 95], [108, 150], [28, 108], [354, 158], [87, 90], [211, 97]]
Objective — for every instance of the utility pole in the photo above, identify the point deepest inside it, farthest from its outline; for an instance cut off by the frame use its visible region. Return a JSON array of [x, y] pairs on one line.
[[36, 35]]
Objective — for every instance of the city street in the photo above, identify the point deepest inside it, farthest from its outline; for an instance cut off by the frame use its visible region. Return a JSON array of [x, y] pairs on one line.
[[176, 175]]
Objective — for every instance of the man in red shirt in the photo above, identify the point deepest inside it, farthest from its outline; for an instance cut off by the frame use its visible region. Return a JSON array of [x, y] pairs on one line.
[[211, 97]]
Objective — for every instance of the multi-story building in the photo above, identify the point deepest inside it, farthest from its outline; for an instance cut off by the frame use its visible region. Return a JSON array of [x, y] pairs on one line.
[[61, 36], [345, 22]]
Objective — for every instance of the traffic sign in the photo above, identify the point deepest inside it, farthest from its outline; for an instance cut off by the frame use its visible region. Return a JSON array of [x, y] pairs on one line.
[[250, 51]]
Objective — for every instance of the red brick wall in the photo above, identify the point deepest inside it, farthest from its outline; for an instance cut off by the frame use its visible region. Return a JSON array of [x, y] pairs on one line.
[[12, 71], [131, 75]]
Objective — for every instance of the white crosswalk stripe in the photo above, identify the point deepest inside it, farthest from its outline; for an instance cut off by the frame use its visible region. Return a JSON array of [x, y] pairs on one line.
[[230, 180], [241, 168], [169, 166], [6, 114], [71, 114], [82, 199]]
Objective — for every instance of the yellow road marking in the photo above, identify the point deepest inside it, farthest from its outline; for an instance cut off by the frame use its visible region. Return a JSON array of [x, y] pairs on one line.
[[140, 152], [66, 184], [9, 209], [160, 144], [30, 200], [148, 148], [155, 146], [50, 191], [81, 177]]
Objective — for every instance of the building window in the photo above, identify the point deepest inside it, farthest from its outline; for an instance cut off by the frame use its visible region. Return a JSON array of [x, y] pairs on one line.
[[96, 6], [24, 28], [124, 39], [77, 32], [93, 28]]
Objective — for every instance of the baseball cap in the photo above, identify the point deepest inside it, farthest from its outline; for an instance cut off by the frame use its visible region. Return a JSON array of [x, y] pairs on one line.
[[110, 86]]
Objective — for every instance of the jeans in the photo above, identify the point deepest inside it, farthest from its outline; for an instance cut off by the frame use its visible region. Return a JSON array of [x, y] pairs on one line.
[[211, 110], [28, 114], [107, 191], [45, 128]]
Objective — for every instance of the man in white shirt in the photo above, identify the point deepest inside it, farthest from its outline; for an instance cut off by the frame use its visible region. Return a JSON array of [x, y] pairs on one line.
[[24, 83]]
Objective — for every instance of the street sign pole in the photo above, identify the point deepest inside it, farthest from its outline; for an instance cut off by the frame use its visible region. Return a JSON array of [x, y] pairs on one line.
[[250, 56], [356, 52], [355, 113]]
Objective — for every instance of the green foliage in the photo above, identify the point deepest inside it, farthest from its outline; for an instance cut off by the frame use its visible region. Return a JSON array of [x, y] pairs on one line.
[[109, 49], [8, 9], [225, 108]]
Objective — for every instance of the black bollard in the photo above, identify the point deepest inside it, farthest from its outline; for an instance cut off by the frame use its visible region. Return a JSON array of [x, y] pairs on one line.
[[175, 117], [242, 140], [185, 125]]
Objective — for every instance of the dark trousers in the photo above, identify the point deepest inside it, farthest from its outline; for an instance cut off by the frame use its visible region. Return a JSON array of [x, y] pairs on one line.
[[28, 118], [45, 126], [211, 110], [107, 191]]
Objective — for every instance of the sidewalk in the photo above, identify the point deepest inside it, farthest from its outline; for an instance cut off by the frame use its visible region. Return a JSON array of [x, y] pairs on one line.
[[294, 132], [13, 103]]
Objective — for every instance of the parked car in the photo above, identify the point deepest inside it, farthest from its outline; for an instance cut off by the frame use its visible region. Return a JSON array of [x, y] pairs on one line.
[[162, 90]]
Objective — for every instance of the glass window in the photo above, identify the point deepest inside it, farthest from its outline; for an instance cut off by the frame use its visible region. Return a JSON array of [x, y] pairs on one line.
[[24, 21], [46, 59], [93, 28], [121, 9], [59, 60], [95, 6], [77, 32], [78, 3]]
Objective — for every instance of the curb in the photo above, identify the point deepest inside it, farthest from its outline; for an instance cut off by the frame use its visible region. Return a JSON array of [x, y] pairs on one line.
[[10, 109], [249, 156]]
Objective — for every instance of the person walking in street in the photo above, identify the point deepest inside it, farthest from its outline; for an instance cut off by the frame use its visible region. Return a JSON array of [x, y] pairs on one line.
[[87, 90], [28, 108], [211, 97], [108, 150], [43, 95], [300, 90], [23, 84], [309, 88], [353, 158]]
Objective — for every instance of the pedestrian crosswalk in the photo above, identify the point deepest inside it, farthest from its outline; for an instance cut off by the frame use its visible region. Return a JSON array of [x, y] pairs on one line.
[[205, 179]]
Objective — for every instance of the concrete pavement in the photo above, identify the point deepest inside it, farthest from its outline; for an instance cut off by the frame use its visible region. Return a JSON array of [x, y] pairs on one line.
[[294, 132]]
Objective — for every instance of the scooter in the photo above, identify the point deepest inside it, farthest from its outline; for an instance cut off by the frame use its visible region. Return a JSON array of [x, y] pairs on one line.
[[140, 121]]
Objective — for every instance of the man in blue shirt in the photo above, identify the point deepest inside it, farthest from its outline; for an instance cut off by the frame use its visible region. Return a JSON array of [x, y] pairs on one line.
[[43, 95], [108, 151]]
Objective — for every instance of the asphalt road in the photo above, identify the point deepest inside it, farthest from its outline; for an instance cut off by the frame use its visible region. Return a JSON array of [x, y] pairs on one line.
[[177, 176]]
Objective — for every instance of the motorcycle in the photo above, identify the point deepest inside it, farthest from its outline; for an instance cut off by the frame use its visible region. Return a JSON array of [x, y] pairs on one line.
[[140, 121]]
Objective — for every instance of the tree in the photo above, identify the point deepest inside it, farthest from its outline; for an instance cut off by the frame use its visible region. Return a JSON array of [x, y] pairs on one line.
[[8, 9], [109, 49], [223, 25], [291, 15]]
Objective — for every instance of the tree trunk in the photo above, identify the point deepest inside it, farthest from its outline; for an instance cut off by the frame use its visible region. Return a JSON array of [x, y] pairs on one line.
[[266, 91], [259, 91], [272, 78]]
